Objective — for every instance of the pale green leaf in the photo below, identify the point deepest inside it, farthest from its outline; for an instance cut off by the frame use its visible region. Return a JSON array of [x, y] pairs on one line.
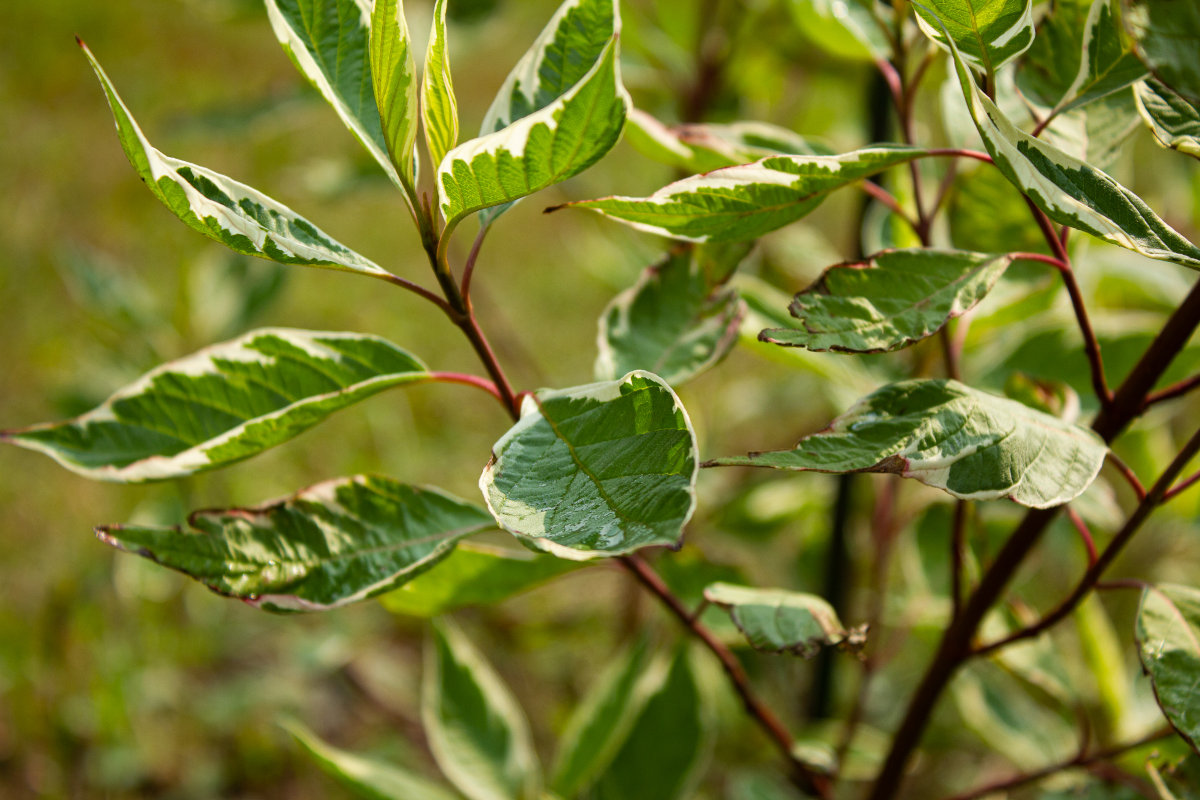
[[988, 33], [1096, 133], [778, 621], [1168, 634], [474, 575], [972, 444], [1167, 33], [596, 470], [224, 210], [855, 29], [476, 730], [744, 202], [332, 544], [439, 108], [892, 300], [1107, 63], [1174, 121], [222, 404], [394, 78], [677, 321]]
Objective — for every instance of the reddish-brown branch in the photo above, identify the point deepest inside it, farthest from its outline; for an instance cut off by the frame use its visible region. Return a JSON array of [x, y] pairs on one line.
[[1173, 391], [467, 380], [469, 264], [958, 556], [1128, 474], [1085, 534], [888, 199], [1181, 487], [418, 290]]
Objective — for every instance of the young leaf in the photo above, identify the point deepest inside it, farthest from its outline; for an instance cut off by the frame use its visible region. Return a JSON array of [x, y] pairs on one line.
[[329, 41], [597, 470], [222, 404], [1168, 634], [777, 621], [1107, 63], [677, 321], [439, 108], [744, 202], [890, 301], [988, 33], [332, 544], [1167, 33], [394, 77], [1174, 121], [366, 777], [224, 210], [974, 445], [1068, 190], [476, 730]]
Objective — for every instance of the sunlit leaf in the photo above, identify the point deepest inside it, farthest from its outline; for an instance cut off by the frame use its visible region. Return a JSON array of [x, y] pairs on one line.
[[1107, 63], [1168, 634], [1174, 121], [856, 29], [778, 621], [394, 77], [439, 108], [988, 33], [1167, 33]]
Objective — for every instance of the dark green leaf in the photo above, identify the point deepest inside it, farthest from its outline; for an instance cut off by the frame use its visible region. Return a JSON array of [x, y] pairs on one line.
[[988, 33], [1168, 634], [1167, 33]]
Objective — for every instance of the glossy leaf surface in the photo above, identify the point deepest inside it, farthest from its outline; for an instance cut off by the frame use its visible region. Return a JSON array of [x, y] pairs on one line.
[[596, 470], [439, 107], [222, 404], [974, 445], [778, 621], [893, 300], [1168, 635], [1174, 121], [334, 543], [394, 77], [988, 33], [1168, 39]]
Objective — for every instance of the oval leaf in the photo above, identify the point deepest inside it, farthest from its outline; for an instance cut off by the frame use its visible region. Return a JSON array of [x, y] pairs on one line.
[[988, 33], [439, 108], [974, 445], [1174, 121], [332, 544], [777, 621], [1168, 634], [394, 77], [892, 300], [597, 470], [222, 404], [237, 216]]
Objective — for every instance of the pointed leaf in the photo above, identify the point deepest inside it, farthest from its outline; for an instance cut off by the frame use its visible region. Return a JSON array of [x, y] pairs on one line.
[[439, 108], [1168, 37], [1168, 634], [329, 41], [222, 404], [676, 322], [224, 210], [974, 445], [394, 77], [988, 33], [777, 621], [744, 202], [1174, 121], [332, 544], [597, 470], [892, 300], [476, 730], [1107, 63]]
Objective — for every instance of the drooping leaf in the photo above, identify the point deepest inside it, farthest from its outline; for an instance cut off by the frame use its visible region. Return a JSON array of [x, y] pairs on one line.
[[476, 730], [677, 321], [1167, 33], [892, 300], [367, 777], [1168, 634], [777, 621], [1107, 63], [224, 210], [972, 444], [222, 404], [988, 33], [474, 575], [329, 41], [744, 202], [439, 108], [597, 470], [332, 544], [394, 77], [1174, 121]]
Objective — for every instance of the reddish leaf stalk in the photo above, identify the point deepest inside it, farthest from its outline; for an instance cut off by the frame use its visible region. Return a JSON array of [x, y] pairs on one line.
[[1183, 486], [1128, 474], [467, 380], [1085, 534], [1173, 391]]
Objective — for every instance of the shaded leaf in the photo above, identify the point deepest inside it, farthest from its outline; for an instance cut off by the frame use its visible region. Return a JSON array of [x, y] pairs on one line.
[[777, 621], [1174, 121], [988, 33], [1107, 63], [1097, 132], [856, 29], [439, 108], [1168, 634], [394, 77], [1167, 33]]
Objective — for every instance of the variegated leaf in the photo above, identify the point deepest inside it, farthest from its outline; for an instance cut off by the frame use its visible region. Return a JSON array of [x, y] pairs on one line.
[[1096, 133], [1107, 63], [394, 77], [1167, 33], [1174, 121], [222, 404], [1168, 636], [974, 445], [334, 543], [744, 202], [224, 210], [439, 108], [777, 621], [988, 33]]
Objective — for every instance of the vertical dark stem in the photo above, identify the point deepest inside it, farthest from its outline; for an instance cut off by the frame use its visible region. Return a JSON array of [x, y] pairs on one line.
[[837, 568], [958, 555]]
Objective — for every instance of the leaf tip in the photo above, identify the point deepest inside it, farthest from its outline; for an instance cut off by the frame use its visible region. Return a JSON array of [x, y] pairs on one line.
[[552, 209], [79, 42]]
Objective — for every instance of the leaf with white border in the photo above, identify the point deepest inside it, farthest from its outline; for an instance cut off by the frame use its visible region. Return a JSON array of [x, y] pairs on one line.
[[1107, 62], [1167, 33], [778, 621], [1174, 121], [1168, 635], [394, 78], [439, 108], [989, 33]]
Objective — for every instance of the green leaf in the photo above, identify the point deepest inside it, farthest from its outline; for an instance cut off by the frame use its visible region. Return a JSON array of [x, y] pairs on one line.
[[476, 730], [892, 300], [1068, 190], [777, 621], [1168, 634], [439, 108], [224, 210], [744, 202], [222, 404], [988, 33], [332, 544], [474, 575], [1107, 63], [853, 29], [1167, 33], [677, 321], [329, 41], [596, 470], [974, 445], [1097, 132], [394, 77], [1174, 121], [366, 777]]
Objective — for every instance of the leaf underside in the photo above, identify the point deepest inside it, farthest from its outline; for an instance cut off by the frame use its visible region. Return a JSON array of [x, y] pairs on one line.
[[1174, 121], [778, 621], [1168, 634]]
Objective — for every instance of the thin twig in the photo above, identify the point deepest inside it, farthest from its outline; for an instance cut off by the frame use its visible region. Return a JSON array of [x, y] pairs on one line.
[[888, 199], [1128, 474], [956, 152], [1085, 534], [469, 264], [418, 290], [1181, 487], [467, 380], [1173, 391]]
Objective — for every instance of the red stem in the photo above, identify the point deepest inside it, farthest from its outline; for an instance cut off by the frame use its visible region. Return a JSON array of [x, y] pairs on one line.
[[469, 264], [1173, 391], [419, 290], [467, 380], [1085, 533], [1181, 487], [1128, 474]]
